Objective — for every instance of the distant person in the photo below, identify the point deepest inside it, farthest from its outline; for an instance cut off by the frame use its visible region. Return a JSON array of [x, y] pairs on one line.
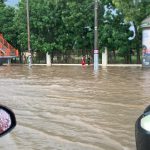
[[83, 61], [24, 59], [89, 60], [29, 60], [144, 50]]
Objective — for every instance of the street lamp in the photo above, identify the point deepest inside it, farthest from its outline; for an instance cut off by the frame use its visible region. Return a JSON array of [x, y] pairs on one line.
[[96, 51]]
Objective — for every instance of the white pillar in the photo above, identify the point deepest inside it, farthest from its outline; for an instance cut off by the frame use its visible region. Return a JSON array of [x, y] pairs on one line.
[[96, 60], [48, 59], [105, 57], [9, 61], [30, 60]]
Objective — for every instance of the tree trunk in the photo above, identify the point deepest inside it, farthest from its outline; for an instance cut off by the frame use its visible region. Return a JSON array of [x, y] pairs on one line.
[[114, 53]]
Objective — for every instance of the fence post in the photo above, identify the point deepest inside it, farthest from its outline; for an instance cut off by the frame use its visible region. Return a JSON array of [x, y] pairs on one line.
[[105, 57], [48, 59]]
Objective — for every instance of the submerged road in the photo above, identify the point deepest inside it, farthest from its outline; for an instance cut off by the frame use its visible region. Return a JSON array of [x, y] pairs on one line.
[[73, 108]]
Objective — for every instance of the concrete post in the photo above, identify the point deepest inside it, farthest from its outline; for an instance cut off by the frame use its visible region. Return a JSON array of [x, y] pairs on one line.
[[30, 60], [9, 61], [48, 59], [105, 57]]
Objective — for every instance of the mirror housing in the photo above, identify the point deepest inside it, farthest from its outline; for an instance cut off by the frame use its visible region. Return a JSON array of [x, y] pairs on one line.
[[142, 130], [7, 120]]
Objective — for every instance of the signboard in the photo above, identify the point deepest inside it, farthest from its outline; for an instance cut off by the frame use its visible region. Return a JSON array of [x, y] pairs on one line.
[[146, 47]]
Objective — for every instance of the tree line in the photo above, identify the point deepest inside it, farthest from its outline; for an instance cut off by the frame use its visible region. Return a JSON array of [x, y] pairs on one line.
[[66, 28]]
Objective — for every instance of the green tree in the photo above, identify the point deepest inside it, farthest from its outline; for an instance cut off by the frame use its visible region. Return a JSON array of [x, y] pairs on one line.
[[73, 32], [62, 27], [134, 11], [2, 1], [114, 32], [7, 23], [55, 25]]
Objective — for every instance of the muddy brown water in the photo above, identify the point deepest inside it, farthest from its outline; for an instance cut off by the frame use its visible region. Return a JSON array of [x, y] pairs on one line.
[[73, 108]]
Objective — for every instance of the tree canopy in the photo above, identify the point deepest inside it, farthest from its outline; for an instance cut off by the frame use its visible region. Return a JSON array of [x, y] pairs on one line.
[[135, 11], [6, 22], [60, 26]]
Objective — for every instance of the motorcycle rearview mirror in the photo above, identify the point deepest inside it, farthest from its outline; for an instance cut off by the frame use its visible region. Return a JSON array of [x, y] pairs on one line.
[[7, 120]]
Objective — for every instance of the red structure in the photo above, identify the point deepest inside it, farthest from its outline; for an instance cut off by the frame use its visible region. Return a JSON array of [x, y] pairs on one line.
[[6, 50]]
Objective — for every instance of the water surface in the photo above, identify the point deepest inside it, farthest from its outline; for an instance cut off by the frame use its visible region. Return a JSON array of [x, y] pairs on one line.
[[73, 108]]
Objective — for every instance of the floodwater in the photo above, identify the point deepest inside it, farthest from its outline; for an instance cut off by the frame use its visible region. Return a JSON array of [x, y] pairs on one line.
[[73, 108]]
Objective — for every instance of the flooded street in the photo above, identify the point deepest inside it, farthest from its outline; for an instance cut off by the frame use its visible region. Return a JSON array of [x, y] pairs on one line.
[[73, 108]]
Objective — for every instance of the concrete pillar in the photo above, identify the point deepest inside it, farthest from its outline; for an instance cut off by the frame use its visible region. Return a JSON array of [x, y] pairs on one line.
[[48, 59], [9, 61], [30, 60], [105, 57]]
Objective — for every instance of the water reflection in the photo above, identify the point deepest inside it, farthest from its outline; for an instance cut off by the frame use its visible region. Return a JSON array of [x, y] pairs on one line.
[[67, 108]]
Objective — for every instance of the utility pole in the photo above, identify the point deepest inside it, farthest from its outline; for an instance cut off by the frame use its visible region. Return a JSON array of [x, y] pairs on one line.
[[28, 25], [96, 51], [28, 31]]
